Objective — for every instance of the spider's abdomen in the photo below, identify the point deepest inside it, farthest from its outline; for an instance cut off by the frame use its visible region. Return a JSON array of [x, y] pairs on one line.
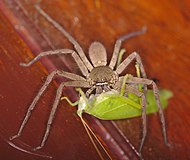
[[102, 74]]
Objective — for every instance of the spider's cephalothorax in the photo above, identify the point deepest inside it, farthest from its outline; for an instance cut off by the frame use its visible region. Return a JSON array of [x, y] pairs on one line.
[[96, 75], [103, 75]]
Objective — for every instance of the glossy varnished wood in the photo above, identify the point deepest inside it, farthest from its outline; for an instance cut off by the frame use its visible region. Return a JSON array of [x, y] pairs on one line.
[[164, 50]]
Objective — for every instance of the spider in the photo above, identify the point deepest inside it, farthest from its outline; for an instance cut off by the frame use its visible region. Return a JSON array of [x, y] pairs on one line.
[[97, 76]]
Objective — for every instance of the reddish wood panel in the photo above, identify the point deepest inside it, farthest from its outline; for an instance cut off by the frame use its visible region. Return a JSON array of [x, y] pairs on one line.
[[18, 88], [164, 50]]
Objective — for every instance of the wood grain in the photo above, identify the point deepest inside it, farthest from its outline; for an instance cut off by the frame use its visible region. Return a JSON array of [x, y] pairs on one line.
[[164, 50]]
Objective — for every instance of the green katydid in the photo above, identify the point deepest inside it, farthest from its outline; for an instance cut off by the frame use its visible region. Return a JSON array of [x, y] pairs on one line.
[[113, 106]]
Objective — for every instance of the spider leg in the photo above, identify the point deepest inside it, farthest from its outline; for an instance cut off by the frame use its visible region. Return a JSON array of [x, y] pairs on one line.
[[55, 105], [118, 45], [128, 60], [45, 85], [90, 90], [68, 36], [99, 90], [56, 52], [135, 80], [130, 89], [124, 88]]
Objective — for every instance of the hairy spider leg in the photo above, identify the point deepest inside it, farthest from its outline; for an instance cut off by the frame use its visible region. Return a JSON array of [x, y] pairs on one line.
[[129, 89], [68, 36], [128, 60], [135, 80], [55, 105], [78, 80], [90, 90], [77, 59], [118, 45]]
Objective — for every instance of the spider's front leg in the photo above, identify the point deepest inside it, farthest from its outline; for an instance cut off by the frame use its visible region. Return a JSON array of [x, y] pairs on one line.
[[77, 59], [128, 60], [118, 43], [68, 36], [133, 56]]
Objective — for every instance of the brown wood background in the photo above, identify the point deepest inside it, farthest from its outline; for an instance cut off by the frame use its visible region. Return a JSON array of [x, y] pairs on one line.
[[164, 50]]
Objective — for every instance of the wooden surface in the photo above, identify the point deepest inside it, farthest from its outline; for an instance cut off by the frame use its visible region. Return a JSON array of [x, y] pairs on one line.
[[164, 50]]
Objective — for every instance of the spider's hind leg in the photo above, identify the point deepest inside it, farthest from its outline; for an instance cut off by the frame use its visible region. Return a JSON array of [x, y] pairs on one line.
[[141, 95], [55, 105], [135, 80], [51, 117], [78, 81], [33, 104]]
